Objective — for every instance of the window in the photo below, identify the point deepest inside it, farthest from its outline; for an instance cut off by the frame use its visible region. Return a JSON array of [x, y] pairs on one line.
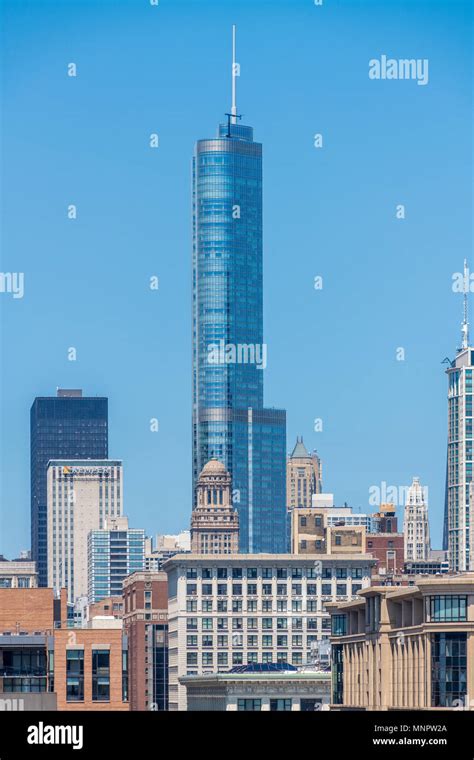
[[206, 572], [207, 605], [207, 624], [191, 605], [249, 705], [207, 658], [100, 675], [75, 675], [191, 572], [282, 573], [222, 572], [237, 573], [266, 589], [237, 589], [296, 572], [207, 589], [252, 589], [448, 609], [448, 669], [280, 705], [191, 589], [251, 572], [338, 625]]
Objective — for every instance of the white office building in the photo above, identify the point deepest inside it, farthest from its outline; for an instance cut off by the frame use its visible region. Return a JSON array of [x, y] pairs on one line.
[[231, 610], [82, 494]]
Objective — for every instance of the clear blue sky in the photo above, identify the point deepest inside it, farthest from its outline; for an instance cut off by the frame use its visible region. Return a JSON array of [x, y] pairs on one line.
[[329, 212]]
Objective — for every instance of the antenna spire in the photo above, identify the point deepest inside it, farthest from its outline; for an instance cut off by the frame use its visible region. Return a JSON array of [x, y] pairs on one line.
[[465, 320], [235, 73]]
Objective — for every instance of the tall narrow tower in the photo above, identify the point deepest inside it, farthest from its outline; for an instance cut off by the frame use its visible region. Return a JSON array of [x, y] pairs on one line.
[[230, 422], [458, 505], [415, 524]]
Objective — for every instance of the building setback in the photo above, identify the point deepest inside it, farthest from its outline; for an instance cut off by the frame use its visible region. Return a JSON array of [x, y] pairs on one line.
[[68, 426], [230, 421]]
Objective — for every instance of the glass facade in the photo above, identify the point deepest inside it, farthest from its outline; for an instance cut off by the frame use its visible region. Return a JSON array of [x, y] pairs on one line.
[[112, 555], [229, 356], [448, 669], [23, 670], [158, 663], [63, 427]]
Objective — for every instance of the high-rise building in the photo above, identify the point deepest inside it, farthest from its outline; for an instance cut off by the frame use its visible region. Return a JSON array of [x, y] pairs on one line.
[[113, 552], [303, 476], [415, 524], [68, 426], [458, 507], [81, 495], [230, 421], [145, 621], [214, 521], [227, 611]]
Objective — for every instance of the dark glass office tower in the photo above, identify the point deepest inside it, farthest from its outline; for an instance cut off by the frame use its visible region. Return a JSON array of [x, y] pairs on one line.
[[68, 426], [229, 356]]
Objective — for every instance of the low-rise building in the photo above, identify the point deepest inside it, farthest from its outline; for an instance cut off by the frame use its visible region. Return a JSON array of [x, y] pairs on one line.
[[259, 688], [18, 573], [405, 648]]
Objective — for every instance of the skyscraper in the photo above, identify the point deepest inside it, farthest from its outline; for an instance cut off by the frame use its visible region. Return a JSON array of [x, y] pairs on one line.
[[303, 476], [81, 496], [458, 506], [230, 421], [415, 524], [68, 426]]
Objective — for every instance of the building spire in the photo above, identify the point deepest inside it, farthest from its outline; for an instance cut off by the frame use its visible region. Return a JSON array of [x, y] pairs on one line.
[[235, 73], [465, 320]]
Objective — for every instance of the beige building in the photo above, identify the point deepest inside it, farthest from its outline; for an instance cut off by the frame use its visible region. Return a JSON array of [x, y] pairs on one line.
[[81, 495], [214, 521], [258, 690], [18, 573], [303, 476], [311, 534], [405, 648]]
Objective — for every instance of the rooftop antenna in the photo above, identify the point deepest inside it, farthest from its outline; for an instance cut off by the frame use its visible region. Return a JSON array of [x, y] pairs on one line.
[[465, 320], [233, 115], [235, 73]]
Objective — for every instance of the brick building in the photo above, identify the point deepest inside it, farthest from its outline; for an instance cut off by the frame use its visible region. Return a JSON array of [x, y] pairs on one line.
[[90, 669], [145, 620]]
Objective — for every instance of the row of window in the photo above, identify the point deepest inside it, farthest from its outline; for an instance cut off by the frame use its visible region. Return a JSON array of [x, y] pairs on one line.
[[252, 641], [267, 623], [252, 573]]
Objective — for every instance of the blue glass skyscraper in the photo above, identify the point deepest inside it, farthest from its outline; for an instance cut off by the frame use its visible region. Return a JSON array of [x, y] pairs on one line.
[[229, 356]]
